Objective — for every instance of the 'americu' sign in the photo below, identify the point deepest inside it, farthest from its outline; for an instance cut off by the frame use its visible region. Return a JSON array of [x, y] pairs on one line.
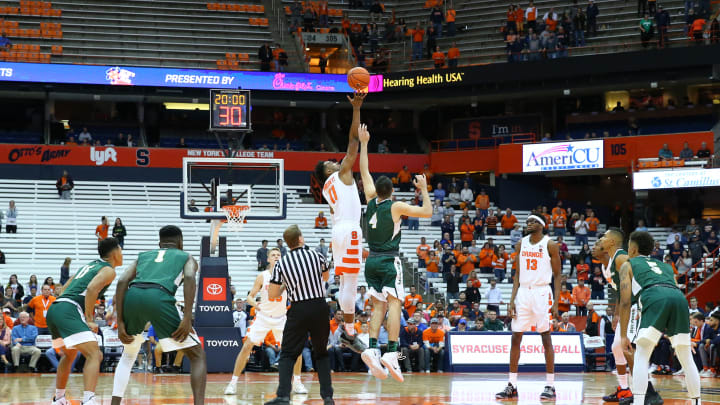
[[543, 157]]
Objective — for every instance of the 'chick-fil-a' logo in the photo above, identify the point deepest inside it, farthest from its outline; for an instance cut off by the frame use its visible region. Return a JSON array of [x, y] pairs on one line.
[[280, 84]]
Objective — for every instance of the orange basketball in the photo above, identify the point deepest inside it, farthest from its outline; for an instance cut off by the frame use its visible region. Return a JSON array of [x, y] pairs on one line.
[[358, 78]]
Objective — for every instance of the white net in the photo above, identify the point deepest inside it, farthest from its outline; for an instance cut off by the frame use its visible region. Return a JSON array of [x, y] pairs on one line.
[[235, 215]]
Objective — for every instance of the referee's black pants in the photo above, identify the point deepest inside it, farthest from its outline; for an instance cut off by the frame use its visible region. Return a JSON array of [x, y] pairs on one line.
[[306, 316]]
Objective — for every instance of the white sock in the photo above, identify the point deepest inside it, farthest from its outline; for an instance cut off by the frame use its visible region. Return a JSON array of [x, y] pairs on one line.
[[59, 393], [643, 351], [513, 379], [350, 329], [550, 379], [124, 367], [692, 378], [623, 380], [234, 379], [296, 379], [87, 396]]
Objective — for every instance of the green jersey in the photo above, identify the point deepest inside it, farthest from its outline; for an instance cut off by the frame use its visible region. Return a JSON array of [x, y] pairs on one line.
[[383, 234], [161, 266], [648, 272], [77, 288], [646, 25]]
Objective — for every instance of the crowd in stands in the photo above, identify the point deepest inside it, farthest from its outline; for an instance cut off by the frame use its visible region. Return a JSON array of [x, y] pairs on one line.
[[686, 153]]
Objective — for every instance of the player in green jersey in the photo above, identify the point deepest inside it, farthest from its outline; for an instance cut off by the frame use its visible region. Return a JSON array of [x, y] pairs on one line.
[[146, 293], [664, 310], [383, 269], [70, 319]]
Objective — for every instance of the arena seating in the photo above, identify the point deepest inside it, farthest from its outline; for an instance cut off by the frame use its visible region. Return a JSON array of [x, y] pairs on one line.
[[50, 229], [151, 33]]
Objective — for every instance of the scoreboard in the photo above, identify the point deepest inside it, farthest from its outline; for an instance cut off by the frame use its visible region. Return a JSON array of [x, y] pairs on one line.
[[230, 110]]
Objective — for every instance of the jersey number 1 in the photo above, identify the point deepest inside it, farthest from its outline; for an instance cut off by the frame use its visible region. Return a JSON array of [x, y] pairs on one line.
[[160, 256], [83, 271], [531, 264], [332, 194]]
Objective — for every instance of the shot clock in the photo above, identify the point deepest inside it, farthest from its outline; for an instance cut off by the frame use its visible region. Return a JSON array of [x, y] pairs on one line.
[[230, 110]]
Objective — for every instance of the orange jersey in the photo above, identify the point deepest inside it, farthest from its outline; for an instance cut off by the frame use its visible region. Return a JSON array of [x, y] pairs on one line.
[[321, 222], [454, 53], [102, 230], [422, 251], [519, 15], [486, 257], [270, 340], [468, 266], [450, 15], [565, 301], [559, 222], [500, 262], [433, 264], [508, 222], [593, 223], [404, 176], [558, 211], [438, 58], [409, 306], [481, 201], [466, 232], [333, 325], [431, 336], [417, 35]]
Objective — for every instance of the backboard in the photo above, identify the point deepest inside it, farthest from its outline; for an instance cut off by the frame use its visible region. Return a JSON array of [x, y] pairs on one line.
[[211, 183]]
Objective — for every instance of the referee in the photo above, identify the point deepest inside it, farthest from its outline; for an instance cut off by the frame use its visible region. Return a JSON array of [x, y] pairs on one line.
[[302, 272]]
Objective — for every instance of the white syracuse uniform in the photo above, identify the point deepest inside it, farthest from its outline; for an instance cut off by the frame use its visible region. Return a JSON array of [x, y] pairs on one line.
[[344, 201], [270, 315], [534, 296]]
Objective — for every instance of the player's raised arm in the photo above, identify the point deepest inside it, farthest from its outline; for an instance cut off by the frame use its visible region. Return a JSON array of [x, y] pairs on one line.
[[122, 287], [368, 182], [625, 302], [103, 278], [425, 211], [182, 332], [352, 150], [554, 251]]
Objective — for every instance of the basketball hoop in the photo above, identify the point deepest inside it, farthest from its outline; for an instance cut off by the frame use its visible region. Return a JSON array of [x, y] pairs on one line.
[[235, 215]]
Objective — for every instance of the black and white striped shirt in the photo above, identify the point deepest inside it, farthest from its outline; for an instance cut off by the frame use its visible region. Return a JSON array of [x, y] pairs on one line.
[[301, 273]]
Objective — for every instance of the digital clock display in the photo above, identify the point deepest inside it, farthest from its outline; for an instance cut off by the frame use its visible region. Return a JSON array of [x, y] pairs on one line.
[[230, 109]]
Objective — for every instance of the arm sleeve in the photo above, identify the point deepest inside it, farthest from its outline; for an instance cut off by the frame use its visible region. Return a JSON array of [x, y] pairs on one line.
[[277, 274]]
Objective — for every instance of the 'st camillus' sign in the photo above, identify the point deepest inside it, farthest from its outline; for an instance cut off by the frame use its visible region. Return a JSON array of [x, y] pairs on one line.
[[543, 157]]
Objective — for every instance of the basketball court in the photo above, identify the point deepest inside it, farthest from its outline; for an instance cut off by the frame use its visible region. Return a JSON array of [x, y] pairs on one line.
[[350, 389]]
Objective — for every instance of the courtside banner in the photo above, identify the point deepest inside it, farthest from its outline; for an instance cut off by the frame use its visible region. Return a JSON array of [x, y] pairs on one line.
[[173, 77], [113, 156], [493, 349], [667, 179], [554, 156]]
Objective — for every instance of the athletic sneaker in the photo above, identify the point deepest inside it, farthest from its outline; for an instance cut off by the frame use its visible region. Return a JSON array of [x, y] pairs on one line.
[[90, 402], [653, 398], [299, 388], [707, 373], [61, 401], [679, 372], [618, 394], [371, 358], [509, 392], [231, 389], [390, 361], [548, 393], [352, 343]]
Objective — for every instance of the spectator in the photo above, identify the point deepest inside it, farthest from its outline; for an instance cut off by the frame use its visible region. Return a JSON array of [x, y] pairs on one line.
[[321, 221], [265, 55], [272, 350], [597, 284], [5, 333], [32, 283], [697, 248], [422, 251], [39, 306], [438, 58], [508, 221], [665, 153], [296, 12], [646, 30], [439, 193], [676, 250], [438, 213], [262, 256], [619, 107], [404, 178], [417, 35], [453, 280], [499, 262], [592, 13], [7, 301], [119, 232], [466, 262], [565, 299], [437, 19], [479, 325], [492, 323], [641, 226], [101, 231], [281, 57], [531, 16], [595, 325], [662, 21], [434, 340], [448, 259], [322, 248], [283, 249], [130, 142], [657, 253], [477, 223], [412, 345], [486, 258], [322, 61], [472, 292], [696, 30], [493, 295], [85, 136], [581, 296], [383, 147], [376, 11], [565, 325], [592, 224], [5, 43], [412, 300], [491, 223], [65, 271], [581, 231], [712, 242], [466, 195], [703, 152], [450, 15], [333, 287], [433, 262], [683, 264], [10, 218], [686, 153], [482, 203], [448, 228], [467, 232], [65, 185], [240, 317], [54, 355], [23, 341]]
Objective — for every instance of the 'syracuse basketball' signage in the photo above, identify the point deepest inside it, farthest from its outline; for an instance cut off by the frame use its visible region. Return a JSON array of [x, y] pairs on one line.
[[668, 179], [487, 349], [545, 157]]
